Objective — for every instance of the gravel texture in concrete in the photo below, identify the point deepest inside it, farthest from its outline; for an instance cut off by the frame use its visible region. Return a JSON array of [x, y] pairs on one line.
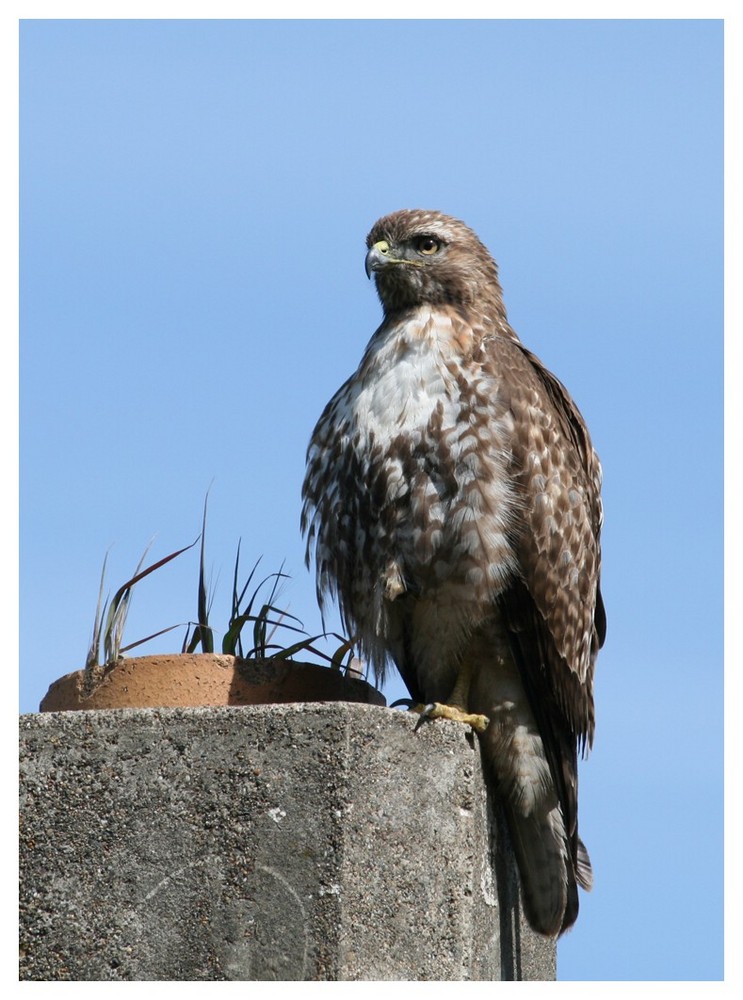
[[284, 842]]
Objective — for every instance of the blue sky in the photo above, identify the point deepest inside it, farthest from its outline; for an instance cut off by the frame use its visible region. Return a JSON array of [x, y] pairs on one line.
[[194, 201]]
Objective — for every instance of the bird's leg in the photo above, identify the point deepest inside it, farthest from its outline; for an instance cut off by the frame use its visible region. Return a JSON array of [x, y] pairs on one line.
[[455, 708], [393, 582]]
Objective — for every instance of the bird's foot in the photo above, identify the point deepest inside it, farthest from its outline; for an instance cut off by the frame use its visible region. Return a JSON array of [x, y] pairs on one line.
[[438, 711]]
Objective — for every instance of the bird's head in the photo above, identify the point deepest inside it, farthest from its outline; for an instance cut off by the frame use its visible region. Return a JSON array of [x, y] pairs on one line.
[[422, 257]]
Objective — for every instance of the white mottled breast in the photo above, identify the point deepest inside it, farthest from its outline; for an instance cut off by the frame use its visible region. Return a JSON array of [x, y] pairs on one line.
[[404, 377], [430, 434], [409, 489]]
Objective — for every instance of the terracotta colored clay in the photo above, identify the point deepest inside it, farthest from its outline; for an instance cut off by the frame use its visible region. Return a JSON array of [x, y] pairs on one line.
[[192, 679]]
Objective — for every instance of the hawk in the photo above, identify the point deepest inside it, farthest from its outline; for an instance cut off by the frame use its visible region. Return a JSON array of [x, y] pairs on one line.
[[452, 496]]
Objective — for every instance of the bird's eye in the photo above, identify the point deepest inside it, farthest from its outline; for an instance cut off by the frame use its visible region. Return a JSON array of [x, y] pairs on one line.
[[428, 245]]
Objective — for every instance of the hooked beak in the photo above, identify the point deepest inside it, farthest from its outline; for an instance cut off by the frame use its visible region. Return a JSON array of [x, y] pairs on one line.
[[377, 257]]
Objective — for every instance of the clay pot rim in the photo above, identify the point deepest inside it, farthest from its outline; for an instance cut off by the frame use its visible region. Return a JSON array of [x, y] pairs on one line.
[[183, 680]]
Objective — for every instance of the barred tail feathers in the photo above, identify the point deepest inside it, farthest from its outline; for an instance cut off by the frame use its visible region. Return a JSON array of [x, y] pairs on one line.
[[517, 767]]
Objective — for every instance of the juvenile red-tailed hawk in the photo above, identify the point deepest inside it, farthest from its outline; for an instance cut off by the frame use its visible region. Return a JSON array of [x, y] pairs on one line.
[[453, 497]]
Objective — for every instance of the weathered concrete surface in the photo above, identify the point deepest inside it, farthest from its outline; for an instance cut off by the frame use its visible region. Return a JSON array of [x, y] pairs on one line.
[[307, 842]]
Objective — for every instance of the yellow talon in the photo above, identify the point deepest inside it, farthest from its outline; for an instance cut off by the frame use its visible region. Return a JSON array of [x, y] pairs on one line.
[[438, 711]]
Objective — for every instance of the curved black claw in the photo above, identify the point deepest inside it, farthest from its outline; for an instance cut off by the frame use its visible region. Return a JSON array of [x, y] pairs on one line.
[[425, 714], [407, 702]]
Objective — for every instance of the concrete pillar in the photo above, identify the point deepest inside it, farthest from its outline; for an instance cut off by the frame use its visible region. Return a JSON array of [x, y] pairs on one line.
[[287, 842]]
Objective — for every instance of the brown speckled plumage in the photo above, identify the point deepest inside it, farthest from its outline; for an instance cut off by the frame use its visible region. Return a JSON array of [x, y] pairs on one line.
[[452, 498]]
